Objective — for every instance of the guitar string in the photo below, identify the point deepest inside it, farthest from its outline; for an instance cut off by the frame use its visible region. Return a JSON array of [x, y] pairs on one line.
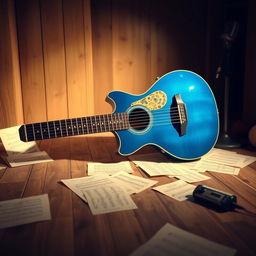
[[93, 128], [69, 132], [142, 121], [173, 119]]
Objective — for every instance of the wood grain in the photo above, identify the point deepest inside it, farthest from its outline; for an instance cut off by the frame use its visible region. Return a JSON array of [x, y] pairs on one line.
[[73, 229]]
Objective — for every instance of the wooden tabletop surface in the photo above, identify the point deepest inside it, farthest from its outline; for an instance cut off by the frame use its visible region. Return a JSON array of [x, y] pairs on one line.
[[73, 230]]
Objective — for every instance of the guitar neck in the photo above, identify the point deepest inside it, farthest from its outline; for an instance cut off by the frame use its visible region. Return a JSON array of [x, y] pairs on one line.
[[74, 126]]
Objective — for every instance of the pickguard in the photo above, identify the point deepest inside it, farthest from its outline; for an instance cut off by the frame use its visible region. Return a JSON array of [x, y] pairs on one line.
[[153, 101]]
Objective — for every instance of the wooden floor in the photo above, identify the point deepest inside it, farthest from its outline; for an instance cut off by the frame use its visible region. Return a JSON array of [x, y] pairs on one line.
[[73, 230]]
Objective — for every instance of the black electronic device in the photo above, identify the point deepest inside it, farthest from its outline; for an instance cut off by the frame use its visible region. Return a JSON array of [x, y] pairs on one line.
[[214, 198]]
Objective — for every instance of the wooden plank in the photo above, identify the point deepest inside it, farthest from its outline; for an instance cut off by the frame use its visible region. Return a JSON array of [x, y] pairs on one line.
[[31, 60], [89, 79], [122, 33], [102, 54], [15, 64], [75, 58], [54, 59], [10, 94], [47, 239]]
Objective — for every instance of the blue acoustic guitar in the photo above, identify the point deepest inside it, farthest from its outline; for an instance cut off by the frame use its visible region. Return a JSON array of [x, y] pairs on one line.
[[178, 114]]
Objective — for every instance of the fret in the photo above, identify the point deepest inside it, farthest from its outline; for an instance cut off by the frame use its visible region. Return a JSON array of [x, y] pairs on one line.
[[51, 130], [80, 126], [69, 127], [37, 131], [57, 128], [91, 124], [47, 124], [114, 122], [54, 128], [29, 132], [98, 125], [45, 130], [74, 126], [60, 128], [63, 127], [84, 125], [104, 121], [108, 123]]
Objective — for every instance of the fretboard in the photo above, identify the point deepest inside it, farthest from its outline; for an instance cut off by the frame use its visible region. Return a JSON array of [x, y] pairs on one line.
[[74, 126]]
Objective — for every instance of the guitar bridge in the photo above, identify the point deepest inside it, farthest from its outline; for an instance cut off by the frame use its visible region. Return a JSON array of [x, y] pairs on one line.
[[179, 115]]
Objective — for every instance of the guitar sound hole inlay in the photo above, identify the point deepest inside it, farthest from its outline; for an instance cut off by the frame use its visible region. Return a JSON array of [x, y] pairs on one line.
[[139, 119]]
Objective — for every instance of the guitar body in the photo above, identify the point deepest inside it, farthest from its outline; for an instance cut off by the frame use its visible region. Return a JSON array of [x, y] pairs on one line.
[[178, 114]]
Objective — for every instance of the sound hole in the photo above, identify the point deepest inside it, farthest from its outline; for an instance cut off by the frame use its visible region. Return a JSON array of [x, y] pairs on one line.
[[139, 119]]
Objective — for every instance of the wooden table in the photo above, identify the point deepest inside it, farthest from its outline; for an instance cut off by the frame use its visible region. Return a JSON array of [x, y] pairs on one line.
[[73, 230]]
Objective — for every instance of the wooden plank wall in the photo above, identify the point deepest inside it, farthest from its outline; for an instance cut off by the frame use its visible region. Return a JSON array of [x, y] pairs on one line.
[[69, 54]]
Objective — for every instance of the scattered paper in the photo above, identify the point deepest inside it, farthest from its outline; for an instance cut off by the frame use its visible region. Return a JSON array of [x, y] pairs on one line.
[[103, 193], [133, 183], [225, 157], [108, 198], [12, 143], [179, 190], [192, 177], [79, 184], [109, 168], [28, 158], [21, 153], [23, 211], [170, 240], [216, 167]]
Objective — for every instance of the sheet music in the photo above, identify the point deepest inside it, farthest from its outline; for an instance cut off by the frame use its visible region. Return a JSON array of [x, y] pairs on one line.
[[179, 190], [79, 184], [12, 143], [134, 183], [216, 167], [23, 211], [108, 198], [171, 240], [109, 168], [192, 177], [28, 158]]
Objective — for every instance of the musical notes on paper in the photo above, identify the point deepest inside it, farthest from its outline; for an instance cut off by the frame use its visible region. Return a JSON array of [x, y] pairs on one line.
[[108, 198], [179, 190], [217, 160], [109, 168], [24, 210], [12, 143], [171, 240], [20, 153], [106, 193], [134, 184]]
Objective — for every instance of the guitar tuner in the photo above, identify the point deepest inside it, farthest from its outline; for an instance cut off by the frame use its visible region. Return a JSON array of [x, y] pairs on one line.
[[214, 198]]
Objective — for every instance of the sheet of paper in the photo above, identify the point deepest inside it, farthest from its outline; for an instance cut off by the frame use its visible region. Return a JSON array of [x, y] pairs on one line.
[[28, 158], [192, 177], [216, 167], [225, 157], [153, 168], [12, 143], [23, 211], [108, 198], [79, 184], [246, 160], [135, 184], [170, 240], [109, 168], [179, 190]]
